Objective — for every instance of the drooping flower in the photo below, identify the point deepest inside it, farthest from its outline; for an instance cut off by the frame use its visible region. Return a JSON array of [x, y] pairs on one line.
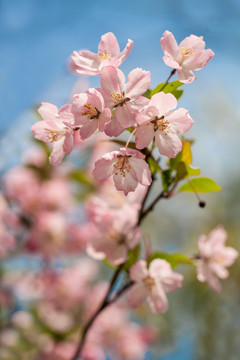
[[152, 283], [56, 127], [126, 98], [158, 120], [214, 258], [90, 113], [86, 62], [127, 168], [189, 55]]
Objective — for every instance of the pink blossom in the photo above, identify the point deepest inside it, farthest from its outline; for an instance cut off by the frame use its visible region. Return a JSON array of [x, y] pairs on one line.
[[88, 63], [57, 128], [127, 167], [215, 257], [152, 283], [126, 98], [157, 120], [189, 55], [90, 113]]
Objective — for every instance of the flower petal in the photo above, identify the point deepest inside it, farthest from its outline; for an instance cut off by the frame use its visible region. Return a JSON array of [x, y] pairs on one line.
[[138, 82], [157, 299], [85, 62], [138, 271], [142, 171], [180, 121], [144, 136], [168, 144], [137, 294], [109, 43], [48, 111], [125, 53], [163, 102]]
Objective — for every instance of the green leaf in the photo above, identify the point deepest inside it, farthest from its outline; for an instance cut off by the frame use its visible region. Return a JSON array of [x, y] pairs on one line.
[[200, 184], [181, 171], [147, 93], [173, 162], [82, 178], [172, 88], [192, 171], [166, 179], [173, 259], [154, 167], [132, 258]]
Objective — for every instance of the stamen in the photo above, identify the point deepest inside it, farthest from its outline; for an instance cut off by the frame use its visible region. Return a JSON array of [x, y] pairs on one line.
[[161, 125], [149, 282], [186, 51], [52, 135], [122, 165], [90, 111], [117, 97], [103, 55]]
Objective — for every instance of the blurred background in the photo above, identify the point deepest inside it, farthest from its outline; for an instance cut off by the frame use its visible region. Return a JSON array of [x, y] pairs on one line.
[[37, 38]]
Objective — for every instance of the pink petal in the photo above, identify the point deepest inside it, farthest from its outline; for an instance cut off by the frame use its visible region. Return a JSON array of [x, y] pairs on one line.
[[169, 45], [65, 113], [88, 129], [219, 270], [95, 98], [138, 271], [186, 76], [124, 115], [125, 183], [199, 60], [103, 168], [48, 111], [109, 43], [68, 143], [144, 136], [117, 254], [138, 82], [104, 118], [40, 130], [157, 299], [196, 42], [113, 128], [172, 63], [57, 154], [147, 114], [218, 236], [142, 170], [112, 78], [163, 102], [125, 53], [168, 144], [85, 62], [137, 294], [180, 121]]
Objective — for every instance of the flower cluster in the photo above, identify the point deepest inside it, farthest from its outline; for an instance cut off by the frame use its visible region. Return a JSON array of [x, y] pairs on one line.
[[120, 105]]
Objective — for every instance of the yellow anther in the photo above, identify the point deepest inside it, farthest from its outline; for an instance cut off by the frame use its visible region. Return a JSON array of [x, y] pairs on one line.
[[122, 165], [103, 55], [117, 96], [90, 111], [149, 282], [161, 125], [52, 135], [186, 51]]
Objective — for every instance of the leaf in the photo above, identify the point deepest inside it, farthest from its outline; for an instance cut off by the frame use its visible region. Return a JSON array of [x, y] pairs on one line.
[[172, 88], [154, 167], [201, 185], [173, 259], [173, 162], [186, 152], [185, 170], [132, 258], [166, 179], [147, 93]]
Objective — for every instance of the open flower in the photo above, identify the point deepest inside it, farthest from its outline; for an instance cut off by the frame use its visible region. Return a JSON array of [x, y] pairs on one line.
[[86, 62], [152, 283], [90, 113], [157, 120], [189, 55], [56, 127], [126, 98], [214, 258], [127, 167]]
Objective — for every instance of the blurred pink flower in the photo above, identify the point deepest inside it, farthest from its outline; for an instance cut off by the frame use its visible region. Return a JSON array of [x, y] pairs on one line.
[[152, 283], [215, 257]]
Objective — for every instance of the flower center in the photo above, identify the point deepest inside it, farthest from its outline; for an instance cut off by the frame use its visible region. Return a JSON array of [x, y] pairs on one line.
[[103, 55], [161, 124], [90, 111], [53, 135], [149, 282], [122, 165], [186, 51]]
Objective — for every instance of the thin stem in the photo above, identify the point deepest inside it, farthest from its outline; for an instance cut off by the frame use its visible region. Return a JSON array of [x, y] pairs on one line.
[[166, 82], [132, 133], [103, 305], [144, 201]]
